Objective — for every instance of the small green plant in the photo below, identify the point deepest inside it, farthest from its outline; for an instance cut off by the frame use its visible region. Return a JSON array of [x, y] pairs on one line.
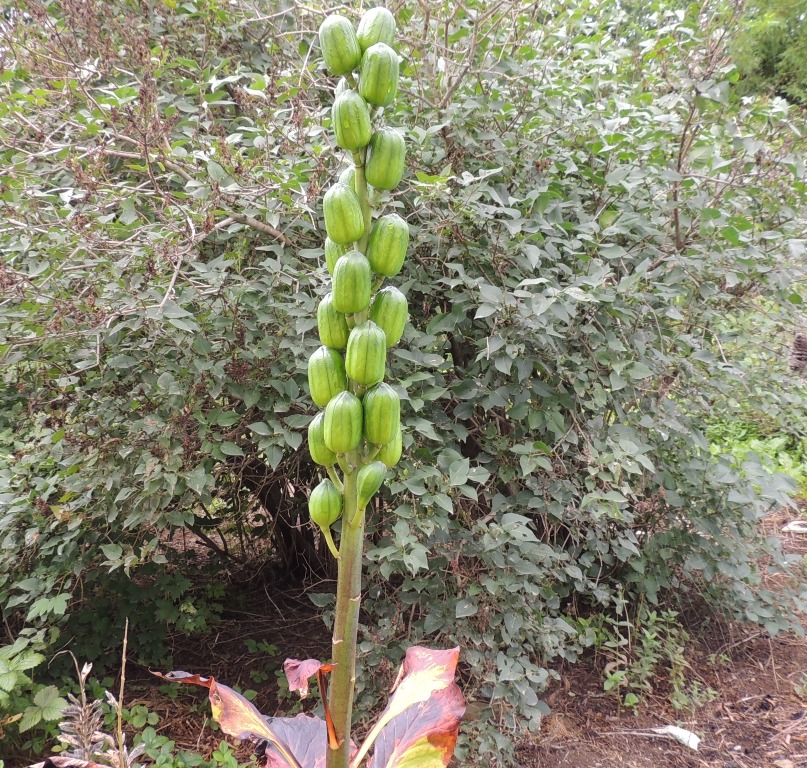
[[270, 651], [778, 451], [28, 710], [161, 752], [261, 646], [800, 688], [642, 652]]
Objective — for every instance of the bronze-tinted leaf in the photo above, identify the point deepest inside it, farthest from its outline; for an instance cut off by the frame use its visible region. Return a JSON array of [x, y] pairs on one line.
[[424, 736], [178, 676], [424, 673], [298, 673], [307, 738], [236, 715], [66, 762]]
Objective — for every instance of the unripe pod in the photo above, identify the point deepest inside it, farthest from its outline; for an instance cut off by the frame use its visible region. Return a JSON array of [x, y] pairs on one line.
[[382, 414], [348, 177], [366, 356], [376, 26], [344, 221], [389, 312], [326, 375], [320, 453], [368, 481], [341, 87], [333, 252], [387, 244], [343, 423], [352, 283], [386, 158], [331, 324], [339, 44], [378, 83], [325, 504], [390, 453], [351, 121]]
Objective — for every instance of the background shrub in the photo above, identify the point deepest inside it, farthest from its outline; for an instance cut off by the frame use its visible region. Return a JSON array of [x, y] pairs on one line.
[[608, 260]]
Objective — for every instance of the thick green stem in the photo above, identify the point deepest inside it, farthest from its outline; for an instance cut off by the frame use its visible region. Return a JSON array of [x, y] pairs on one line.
[[346, 624]]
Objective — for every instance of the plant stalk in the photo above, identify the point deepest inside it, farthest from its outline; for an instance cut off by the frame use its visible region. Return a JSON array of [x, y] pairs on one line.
[[346, 624], [351, 548]]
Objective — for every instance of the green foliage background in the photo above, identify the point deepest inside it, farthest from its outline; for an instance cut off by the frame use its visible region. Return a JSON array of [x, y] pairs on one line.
[[771, 46], [608, 255]]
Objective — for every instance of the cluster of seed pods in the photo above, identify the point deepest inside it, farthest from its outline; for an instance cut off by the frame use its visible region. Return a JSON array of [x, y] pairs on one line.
[[359, 430]]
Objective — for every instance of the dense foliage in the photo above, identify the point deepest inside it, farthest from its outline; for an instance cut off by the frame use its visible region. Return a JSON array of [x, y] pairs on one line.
[[609, 251], [771, 46]]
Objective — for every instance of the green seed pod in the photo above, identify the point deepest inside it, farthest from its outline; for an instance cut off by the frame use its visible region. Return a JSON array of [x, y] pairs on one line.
[[325, 504], [376, 26], [390, 453], [351, 121], [378, 83], [386, 159], [333, 252], [339, 44], [320, 453], [341, 87], [366, 356], [326, 375], [344, 221], [343, 422], [331, 324], [348, 177], [387, 244], [368, 481], [382, 414], [352, 283], [389, 311]]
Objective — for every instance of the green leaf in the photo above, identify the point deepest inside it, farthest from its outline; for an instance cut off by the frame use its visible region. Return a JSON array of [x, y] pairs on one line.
[[458, 472], [639, 371], [215, 171], [231, 449], [50, 703], [198, 479], [30, 718], [112, 552], [260, 428]]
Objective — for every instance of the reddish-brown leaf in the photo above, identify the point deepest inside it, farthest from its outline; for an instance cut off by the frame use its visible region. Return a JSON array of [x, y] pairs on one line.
[[236, 715], [424, 673], [306, 736], [178, 676], [424, 736], [67, 762], [298, 673]]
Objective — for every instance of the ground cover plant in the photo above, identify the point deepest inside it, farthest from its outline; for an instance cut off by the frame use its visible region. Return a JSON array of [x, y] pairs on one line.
[[599, 213]]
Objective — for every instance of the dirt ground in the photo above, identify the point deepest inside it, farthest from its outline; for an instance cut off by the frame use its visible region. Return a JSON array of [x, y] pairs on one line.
[[758, 718]]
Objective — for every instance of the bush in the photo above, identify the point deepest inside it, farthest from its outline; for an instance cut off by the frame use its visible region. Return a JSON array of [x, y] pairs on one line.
[[770, 48], [592, 205]]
